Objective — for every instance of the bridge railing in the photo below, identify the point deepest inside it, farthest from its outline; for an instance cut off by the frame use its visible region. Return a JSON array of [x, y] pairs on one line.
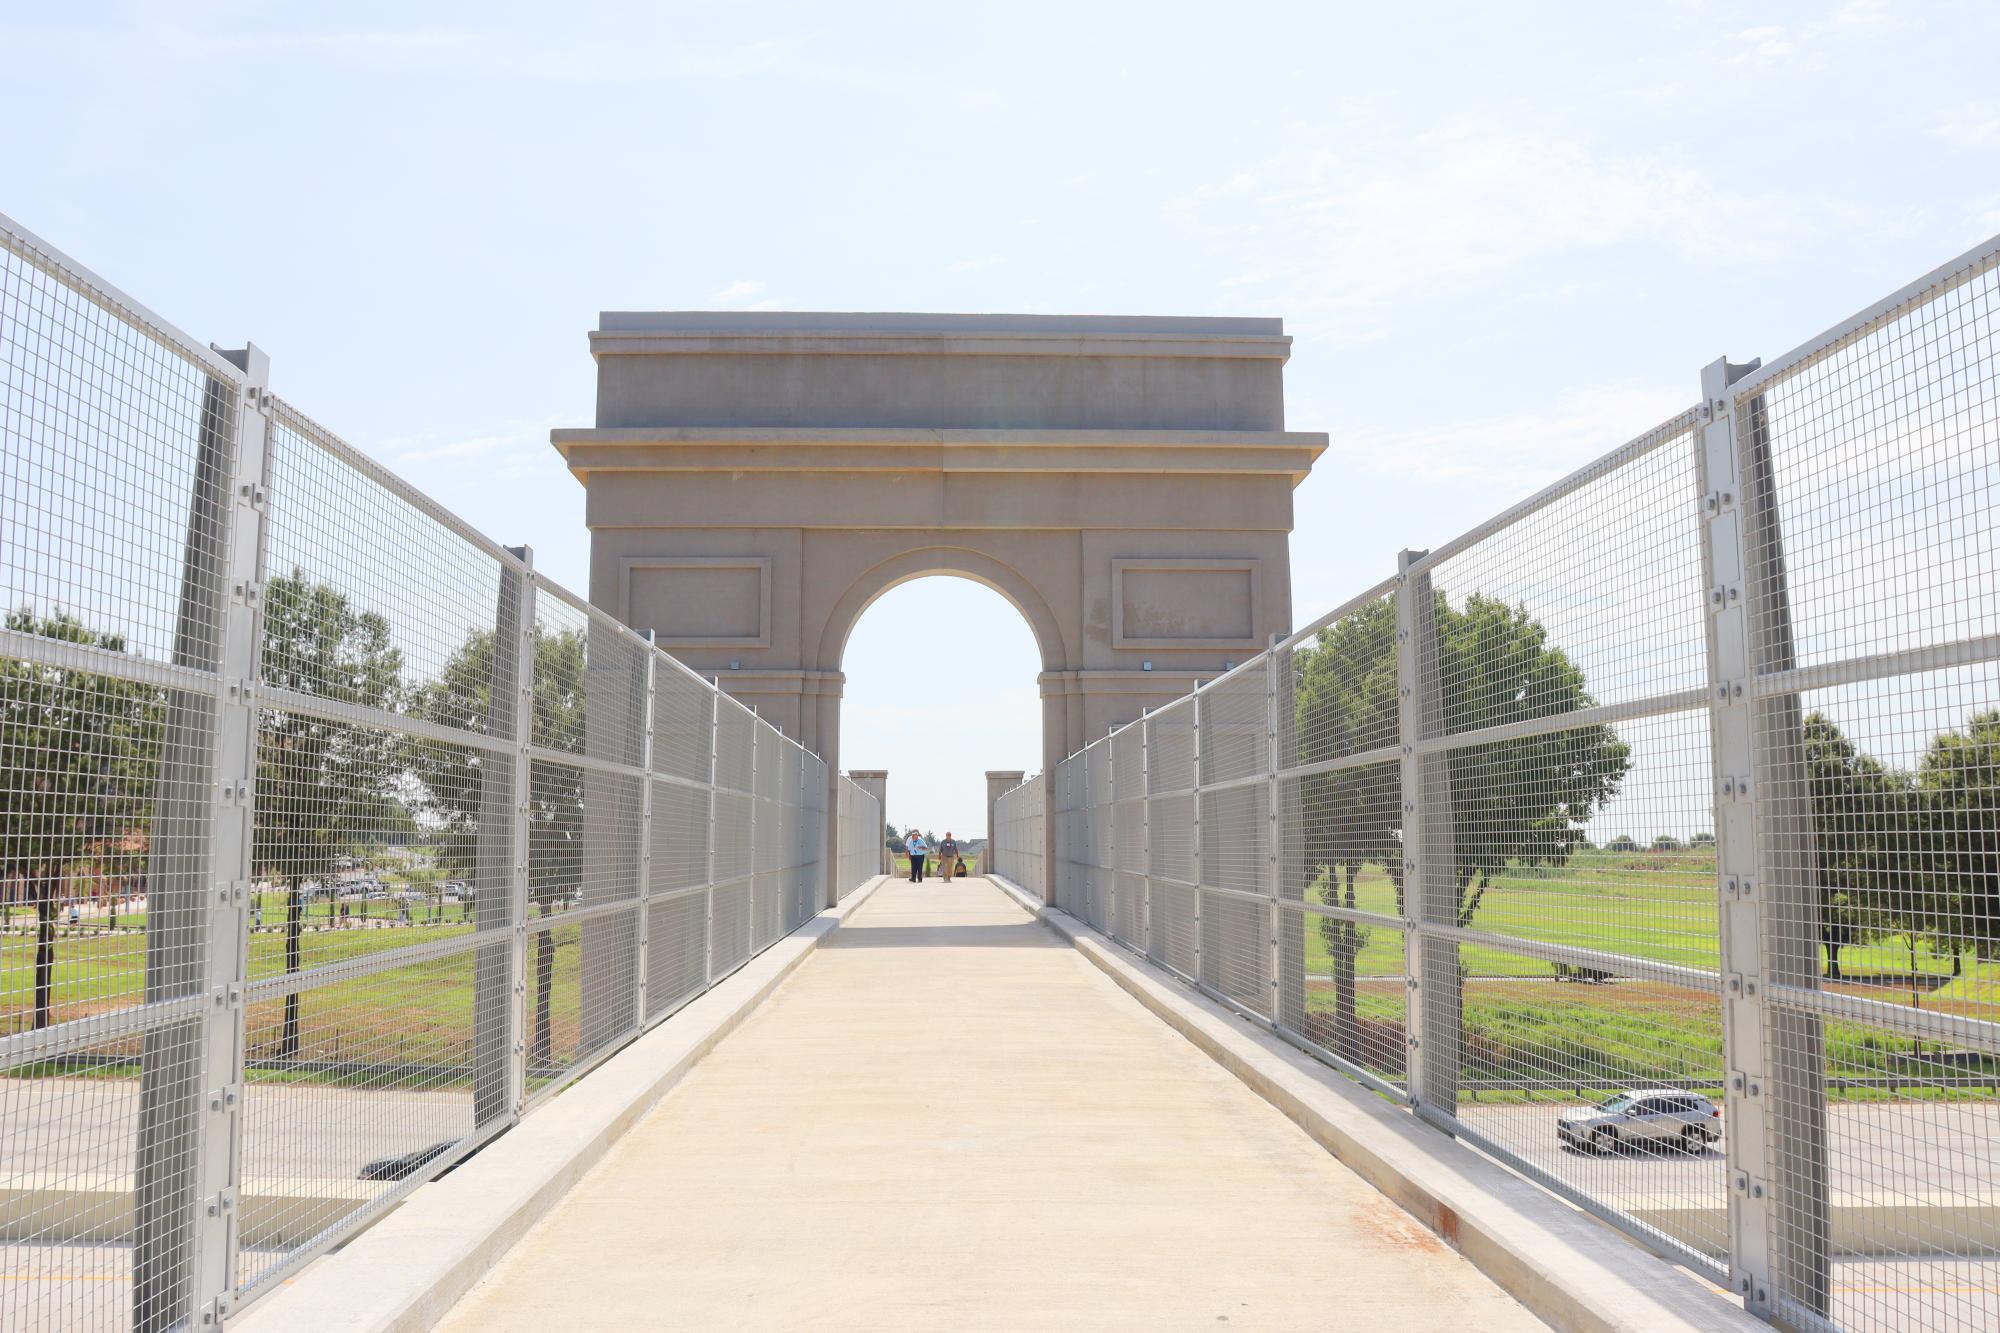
[[333, 838], [860, 816], [1681, 775], [1017, 834]]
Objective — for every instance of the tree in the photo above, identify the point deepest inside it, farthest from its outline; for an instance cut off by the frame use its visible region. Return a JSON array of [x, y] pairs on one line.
[[1666, 842], [1346, 703], [1959, 784], [1624, 842], [1702, 840], [79, 759], [449, 781], [322, 786], [1865, 816], [1523, 801]]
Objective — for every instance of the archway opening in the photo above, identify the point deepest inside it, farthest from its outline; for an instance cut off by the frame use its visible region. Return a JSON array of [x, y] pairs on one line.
[[941, 689]]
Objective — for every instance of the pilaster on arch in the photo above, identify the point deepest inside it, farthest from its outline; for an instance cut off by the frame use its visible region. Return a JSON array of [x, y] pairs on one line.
[[957, 561]]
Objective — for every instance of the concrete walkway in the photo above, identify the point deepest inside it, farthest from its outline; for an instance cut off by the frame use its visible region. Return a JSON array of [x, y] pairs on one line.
[[949, 1120]]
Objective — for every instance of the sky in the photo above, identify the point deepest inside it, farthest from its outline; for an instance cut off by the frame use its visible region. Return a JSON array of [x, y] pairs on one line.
[[1504, 238]]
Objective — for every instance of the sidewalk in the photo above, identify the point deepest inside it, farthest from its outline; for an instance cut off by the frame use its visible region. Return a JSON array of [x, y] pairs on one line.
[[949, 1120]]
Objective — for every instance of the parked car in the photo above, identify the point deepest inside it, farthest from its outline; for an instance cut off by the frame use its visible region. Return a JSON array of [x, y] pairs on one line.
[[1650, 1116]]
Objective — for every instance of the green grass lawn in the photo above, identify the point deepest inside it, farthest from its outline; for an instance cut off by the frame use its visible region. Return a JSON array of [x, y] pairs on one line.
[[1628, 1034], [408, 1027], [1654, 905], [1519, 1022]]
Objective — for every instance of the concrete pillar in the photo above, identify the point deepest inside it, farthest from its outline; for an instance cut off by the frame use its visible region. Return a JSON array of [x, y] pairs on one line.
[[875, 781], [998, 784]]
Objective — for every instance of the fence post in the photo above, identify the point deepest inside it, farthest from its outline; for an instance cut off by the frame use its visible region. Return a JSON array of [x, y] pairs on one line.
[[642, 1009], [750, 866], [1058, 836], [1197, 705], [1732, 728], [1274, 869], [708, 895], [805, 843], [1146, 827], [1108, 816], [1789, 869], [1773, 1057], [179, 879], [219, 1115], [517, 898], [1440, 983], [494, 857], [1431, 1069]]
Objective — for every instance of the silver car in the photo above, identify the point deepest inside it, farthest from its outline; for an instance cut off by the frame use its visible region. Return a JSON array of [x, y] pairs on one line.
[[1650, 1116]]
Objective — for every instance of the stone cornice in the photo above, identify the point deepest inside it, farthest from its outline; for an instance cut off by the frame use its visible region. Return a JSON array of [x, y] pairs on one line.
[[898, 449]]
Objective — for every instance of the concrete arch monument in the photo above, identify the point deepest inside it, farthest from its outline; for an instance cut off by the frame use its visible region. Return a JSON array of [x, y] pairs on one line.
[[756, 480]]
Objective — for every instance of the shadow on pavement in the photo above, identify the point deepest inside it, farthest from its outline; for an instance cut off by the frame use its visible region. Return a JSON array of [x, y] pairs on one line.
[[972, 935]]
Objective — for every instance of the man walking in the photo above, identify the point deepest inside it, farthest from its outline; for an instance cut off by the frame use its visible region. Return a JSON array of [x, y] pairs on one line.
[[918, 849], [948, 856]]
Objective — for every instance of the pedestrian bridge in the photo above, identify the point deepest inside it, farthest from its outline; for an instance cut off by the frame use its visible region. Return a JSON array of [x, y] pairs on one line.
[[948, 1117], [461, 949]]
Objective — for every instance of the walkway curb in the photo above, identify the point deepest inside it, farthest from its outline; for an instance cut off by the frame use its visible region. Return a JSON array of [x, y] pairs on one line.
[[405, 1272], [1566, 1267]]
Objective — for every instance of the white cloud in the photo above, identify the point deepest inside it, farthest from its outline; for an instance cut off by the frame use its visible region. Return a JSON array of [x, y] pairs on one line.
[[739, 292], [1869, 15], [1768, 47], [1807, 48], [974, 265], [1336, 234], [1974, 125]]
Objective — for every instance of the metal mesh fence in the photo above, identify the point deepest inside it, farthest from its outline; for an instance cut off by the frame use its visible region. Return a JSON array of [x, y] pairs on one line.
[[861, 836], [1648, 835], [1018, 823], [315, 870]]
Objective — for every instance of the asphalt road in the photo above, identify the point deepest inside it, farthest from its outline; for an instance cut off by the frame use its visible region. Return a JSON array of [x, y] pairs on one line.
[[1899, 1148], [57, 1128]]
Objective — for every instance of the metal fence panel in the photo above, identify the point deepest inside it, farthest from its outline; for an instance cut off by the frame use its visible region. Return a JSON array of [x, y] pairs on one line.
[[1644, 835], [115, 557], [1019, 818], [276, 727], [861, 834], [1865, 472]]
